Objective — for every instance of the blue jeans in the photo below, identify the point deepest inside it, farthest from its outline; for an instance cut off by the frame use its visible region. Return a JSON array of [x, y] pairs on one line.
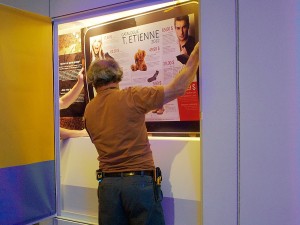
[[133, 200]]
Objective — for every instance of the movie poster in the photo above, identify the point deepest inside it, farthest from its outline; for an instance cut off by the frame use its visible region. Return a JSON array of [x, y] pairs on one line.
[[70, 64]]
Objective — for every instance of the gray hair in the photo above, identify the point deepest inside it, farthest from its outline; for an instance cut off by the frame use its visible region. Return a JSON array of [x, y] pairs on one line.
[[104, 71]]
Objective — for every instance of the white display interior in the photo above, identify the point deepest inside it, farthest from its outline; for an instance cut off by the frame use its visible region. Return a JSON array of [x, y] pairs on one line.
[[179, 159]]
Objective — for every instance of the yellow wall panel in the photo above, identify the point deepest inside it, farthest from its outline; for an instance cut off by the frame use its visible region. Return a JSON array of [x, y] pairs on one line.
[[26, 88]]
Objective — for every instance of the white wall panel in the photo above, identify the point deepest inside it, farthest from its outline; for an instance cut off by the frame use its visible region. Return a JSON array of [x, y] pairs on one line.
[[219, 124], [270, 111]]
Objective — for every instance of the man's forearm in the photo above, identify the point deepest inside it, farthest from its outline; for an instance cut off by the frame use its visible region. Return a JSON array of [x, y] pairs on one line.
[[66, 133], [71, 96], [184, 78]]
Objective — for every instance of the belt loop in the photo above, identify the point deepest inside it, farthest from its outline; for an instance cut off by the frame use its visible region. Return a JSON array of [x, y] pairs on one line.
[[142, 173]]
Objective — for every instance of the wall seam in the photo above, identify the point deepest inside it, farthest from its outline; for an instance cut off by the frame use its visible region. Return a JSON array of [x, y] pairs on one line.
[[238, 111]]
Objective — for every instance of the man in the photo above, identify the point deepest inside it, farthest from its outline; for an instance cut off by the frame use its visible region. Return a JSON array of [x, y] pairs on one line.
[[186, 42], [129, 189]]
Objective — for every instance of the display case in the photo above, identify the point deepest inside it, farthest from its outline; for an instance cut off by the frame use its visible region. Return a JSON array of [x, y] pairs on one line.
[[174, 135]]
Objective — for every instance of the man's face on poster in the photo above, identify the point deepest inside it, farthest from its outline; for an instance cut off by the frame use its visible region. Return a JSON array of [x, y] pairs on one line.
[[181, 28]]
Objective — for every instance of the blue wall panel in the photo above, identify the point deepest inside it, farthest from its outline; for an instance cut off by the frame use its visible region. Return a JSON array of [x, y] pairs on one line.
[[27, 193]]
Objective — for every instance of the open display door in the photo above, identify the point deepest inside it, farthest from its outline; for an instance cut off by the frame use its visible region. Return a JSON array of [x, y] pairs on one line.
[[27, 165]]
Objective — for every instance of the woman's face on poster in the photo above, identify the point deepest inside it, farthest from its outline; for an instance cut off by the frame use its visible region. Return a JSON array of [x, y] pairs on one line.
[[97, 46]]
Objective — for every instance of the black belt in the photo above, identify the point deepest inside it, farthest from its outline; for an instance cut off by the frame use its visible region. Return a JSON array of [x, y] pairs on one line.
[[127, 174]]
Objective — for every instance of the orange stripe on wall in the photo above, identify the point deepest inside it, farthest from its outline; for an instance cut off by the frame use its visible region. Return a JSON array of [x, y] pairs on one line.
[[26, 88]]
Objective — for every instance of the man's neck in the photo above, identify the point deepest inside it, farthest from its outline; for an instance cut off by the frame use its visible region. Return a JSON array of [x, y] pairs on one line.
[[108, 86], [181, 43]]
